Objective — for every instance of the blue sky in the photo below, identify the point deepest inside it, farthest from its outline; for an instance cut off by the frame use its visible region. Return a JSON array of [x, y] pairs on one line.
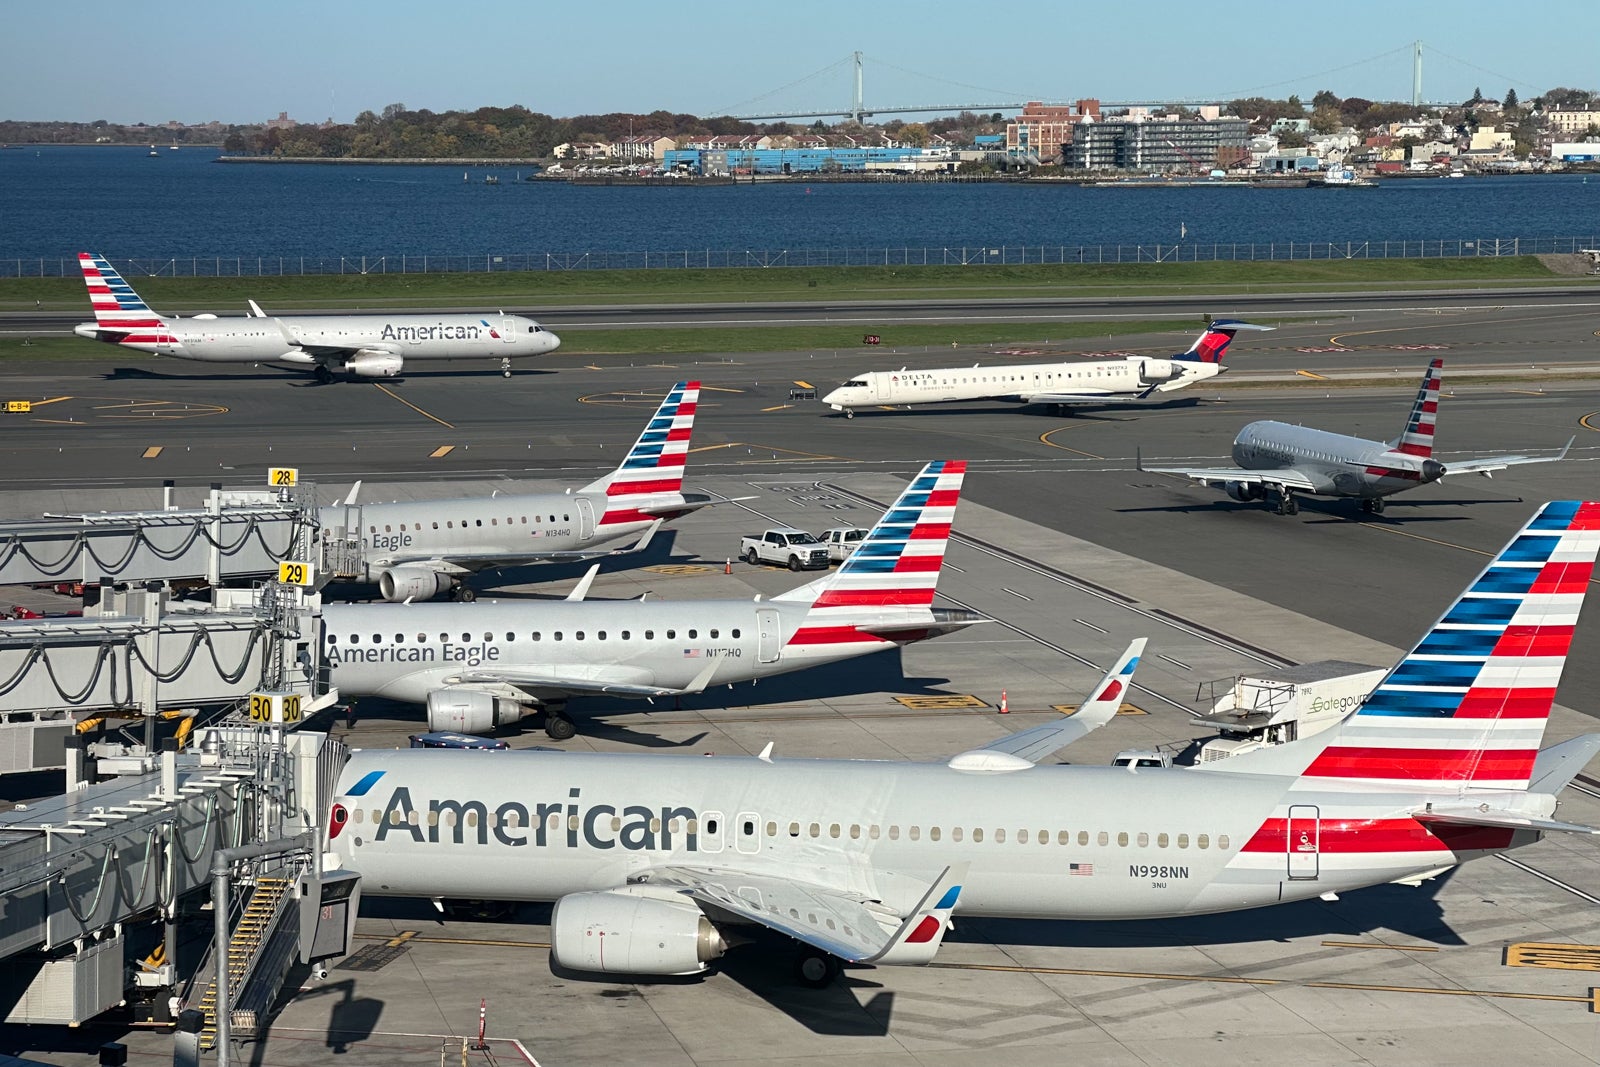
[[192, 61]]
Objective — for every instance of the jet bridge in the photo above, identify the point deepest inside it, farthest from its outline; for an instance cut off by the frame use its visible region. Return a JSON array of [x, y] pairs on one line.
[[237, 534]]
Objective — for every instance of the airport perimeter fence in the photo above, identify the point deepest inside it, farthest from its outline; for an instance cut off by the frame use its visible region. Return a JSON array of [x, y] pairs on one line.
[[734, 258]]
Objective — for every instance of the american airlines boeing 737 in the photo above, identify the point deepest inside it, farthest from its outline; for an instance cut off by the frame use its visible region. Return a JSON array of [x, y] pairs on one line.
[[486, 665], [416, 550], [1057, 384], [655, 862], [1277, 460], [365, 346]]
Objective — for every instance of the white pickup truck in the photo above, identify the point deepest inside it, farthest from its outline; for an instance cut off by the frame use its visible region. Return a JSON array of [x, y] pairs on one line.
[[842, 540], [796, 549]]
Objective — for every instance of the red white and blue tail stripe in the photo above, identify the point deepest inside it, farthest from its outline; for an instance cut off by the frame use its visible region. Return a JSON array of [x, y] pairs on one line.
[[1417, 440], [651, 475], [1468, 706], [890, 579], [1213, 344], [117, 308]]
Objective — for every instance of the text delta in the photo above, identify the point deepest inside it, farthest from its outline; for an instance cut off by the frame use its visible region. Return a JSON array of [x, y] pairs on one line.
[[633, 827]]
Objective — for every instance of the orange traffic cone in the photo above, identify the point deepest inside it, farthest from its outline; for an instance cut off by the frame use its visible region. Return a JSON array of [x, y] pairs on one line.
[[727, 566], [1005, 709]]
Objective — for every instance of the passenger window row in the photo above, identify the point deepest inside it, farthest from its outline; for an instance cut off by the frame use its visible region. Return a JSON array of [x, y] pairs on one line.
[[1024, 836], [714, 634], [451, 525]]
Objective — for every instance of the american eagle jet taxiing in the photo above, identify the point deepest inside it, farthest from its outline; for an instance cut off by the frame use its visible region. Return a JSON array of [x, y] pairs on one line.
[[365, 346], [1277, 460], [655, 862], [418, 549], [1057, 384]]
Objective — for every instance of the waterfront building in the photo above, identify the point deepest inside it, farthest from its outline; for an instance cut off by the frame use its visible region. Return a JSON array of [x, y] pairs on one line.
[[1159, 144], [1042, 131]]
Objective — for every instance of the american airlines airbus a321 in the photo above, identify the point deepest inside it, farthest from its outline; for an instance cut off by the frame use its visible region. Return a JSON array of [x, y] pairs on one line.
[[365, 346], [416, 550], [1277, 460], [485, 665], [654, 862], [1056, 384]]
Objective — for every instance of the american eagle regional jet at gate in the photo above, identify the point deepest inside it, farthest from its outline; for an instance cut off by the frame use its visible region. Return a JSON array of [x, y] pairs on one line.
[[654, 861], [1057, 384], [365, 346], [415, 550], [484, 665], [1277, 460]]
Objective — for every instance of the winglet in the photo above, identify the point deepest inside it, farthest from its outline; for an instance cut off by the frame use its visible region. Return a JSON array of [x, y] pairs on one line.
[[644, 539], [350, 497], [698, 683], [255, 309], [581, 590], [920, 936]]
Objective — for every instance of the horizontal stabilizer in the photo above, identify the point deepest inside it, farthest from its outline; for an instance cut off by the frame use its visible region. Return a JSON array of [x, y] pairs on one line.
[[1557, 765], [1499, 463], [1504, 820], [581, 590]]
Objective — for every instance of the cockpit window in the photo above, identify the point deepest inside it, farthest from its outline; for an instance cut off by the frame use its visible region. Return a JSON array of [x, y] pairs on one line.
[[856, 383]]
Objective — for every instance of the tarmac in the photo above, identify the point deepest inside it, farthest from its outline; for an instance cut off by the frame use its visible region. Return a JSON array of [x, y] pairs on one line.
[[1074, 552]]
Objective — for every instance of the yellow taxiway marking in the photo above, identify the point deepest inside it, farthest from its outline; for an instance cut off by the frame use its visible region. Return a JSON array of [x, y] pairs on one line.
[[1309, 374], [591, 366], [1553, 954], [778, 407], [677, 569], [771, 450], [41, 403], [411, 937], [401, 938], [412, 406], [942, 700], [718, 389], [1528, 392], [441, 452], [1125, 709], [1586, 424], [804, 385], [1044, 439], [1374, 944], [152, 452], [60, 422], [1224, 979], [1429, 540]]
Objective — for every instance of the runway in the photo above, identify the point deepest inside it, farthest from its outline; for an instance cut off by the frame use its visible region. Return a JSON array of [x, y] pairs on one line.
[[1074, 551]]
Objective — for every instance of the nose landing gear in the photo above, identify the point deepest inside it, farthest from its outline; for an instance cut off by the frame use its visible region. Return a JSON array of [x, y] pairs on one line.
[[505, 366]]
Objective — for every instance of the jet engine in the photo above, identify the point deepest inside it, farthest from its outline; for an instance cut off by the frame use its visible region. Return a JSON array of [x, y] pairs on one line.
[[471, 711], [373, 365], [1246, 491], [1433, 470], [636, 930], [1157, 371], [412, 583]]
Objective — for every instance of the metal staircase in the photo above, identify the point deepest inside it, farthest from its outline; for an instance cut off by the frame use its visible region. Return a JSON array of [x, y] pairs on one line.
[[250, 937]]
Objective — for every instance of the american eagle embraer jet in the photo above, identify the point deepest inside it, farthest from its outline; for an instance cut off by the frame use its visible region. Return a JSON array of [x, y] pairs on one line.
[[1057, 384], [485, 665], [365, 346], [1277, 460], [416, 550], [654, 861]]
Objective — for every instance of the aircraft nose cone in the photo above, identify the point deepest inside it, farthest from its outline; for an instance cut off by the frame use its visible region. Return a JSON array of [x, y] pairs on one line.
[[552, 342]]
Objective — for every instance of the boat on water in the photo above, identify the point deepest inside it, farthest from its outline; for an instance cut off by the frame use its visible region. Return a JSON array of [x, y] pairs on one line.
[[1339, 177], [153, 151]]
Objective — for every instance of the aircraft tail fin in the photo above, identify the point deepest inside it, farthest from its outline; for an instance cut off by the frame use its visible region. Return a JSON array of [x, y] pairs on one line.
[[884, 590], [1468, 706], [1417, 438], [651, 474], [1213, 343], [117, 308]]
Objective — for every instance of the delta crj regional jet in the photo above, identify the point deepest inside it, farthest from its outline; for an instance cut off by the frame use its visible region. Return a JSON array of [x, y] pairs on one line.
[[485, 665], [655, 861], [1056, 384], [365, 346], [1277, 460], [416, 550]]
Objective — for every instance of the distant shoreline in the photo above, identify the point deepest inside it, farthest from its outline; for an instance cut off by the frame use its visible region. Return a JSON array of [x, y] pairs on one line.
[[369, 161]]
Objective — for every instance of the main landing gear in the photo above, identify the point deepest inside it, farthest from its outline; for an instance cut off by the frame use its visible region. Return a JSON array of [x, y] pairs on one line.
[[1373, 506], [463, 594], [1287, 504], [556, 724], [323, 374], [505, 367], [816, 968]]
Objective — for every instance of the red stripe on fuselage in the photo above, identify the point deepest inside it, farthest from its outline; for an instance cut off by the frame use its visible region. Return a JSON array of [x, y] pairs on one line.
[[853, 598], [1354, 836], [1423, 764], [833, 635]]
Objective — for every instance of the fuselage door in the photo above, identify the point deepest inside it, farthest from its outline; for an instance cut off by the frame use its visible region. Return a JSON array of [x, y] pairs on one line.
[[748, 830], [769, 635], [508, 330], [585, 519], [1304, 843], [711, 831]]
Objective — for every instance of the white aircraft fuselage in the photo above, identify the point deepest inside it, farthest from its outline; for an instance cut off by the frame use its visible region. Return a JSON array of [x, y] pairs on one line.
[[1337, 464], [1109, 378], [1062, 842]]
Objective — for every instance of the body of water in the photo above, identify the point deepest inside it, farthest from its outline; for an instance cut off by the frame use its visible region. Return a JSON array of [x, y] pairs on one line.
[[126, 204]]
